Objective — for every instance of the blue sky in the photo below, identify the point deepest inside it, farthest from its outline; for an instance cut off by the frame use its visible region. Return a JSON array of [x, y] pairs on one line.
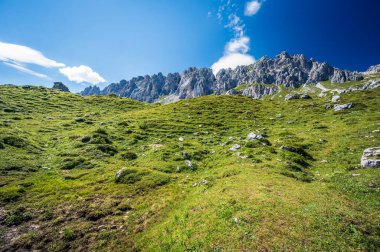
[[80, 42]]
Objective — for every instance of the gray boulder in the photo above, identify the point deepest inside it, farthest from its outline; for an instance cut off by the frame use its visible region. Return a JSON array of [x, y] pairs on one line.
[[291, 97], [253, 136], [120, 174], [342, 107], [235, 147], [371, 158], [305, 97], [335, 98]]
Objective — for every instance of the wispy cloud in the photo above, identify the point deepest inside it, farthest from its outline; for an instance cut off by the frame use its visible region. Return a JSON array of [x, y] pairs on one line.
[[236, 52], [252, 7], [236, 25], [27, 70], [18, 56], [81, 74], [24, 54]]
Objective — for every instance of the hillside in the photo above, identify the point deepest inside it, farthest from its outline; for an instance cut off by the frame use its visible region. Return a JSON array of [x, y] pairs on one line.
[[214, 173]]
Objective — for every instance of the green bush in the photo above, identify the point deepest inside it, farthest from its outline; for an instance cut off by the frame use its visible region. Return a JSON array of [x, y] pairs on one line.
[[101, 131], [86, 139], [71, 163], [99, 139], [108, 149], [15, 141], [129, 155]]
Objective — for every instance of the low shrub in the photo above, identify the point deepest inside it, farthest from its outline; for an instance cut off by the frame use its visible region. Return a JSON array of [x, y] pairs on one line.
[[15, 141], [129, 155], [108, 149], [71, 163]]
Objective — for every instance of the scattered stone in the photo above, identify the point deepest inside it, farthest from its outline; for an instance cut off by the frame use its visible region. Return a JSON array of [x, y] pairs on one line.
[[355, 175], [343, 107], [335, 98], [371, 158], [120, 174], [323, 94], [253, 136], [235, 220], [202, 182], [305, 97], [235, 147], [181, 139], [291, 97], [189, 164], [241, 156]]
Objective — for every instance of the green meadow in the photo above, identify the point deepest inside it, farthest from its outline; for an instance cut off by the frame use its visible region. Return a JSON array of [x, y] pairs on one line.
[[113, 174]]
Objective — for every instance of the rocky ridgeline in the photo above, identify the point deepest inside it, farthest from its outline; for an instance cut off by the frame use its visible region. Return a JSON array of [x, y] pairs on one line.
[[374, 69], [289, 70]]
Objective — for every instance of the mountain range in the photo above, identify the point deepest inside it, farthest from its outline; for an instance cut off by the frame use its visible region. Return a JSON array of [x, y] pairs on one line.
[[285, 69]]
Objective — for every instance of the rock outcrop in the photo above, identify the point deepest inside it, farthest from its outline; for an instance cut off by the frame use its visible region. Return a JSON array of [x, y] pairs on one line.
[[371, 158], [342, 107], [60, 86], [285, 69]]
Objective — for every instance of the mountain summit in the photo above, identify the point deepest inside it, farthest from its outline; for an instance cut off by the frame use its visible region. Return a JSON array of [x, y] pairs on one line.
[[285, 69]]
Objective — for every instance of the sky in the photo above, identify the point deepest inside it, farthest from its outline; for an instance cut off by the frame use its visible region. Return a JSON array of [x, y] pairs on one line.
[[87, 42]]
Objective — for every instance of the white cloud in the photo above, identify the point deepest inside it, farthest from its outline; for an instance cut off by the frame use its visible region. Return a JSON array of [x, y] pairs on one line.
[[26, 70], [235, 54], [252, 7], [17, 56], [23, 54], [239, 45], [232, 61], [81, 74]]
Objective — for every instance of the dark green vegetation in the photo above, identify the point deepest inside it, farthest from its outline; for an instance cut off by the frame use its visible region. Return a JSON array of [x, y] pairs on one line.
[[178, 186]]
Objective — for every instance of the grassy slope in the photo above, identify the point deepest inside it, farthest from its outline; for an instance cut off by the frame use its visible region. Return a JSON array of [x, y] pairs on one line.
[[270, 200]]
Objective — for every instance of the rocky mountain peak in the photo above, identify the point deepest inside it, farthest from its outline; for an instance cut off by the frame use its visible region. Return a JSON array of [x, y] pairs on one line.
[[374, 69], [284, 69]]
